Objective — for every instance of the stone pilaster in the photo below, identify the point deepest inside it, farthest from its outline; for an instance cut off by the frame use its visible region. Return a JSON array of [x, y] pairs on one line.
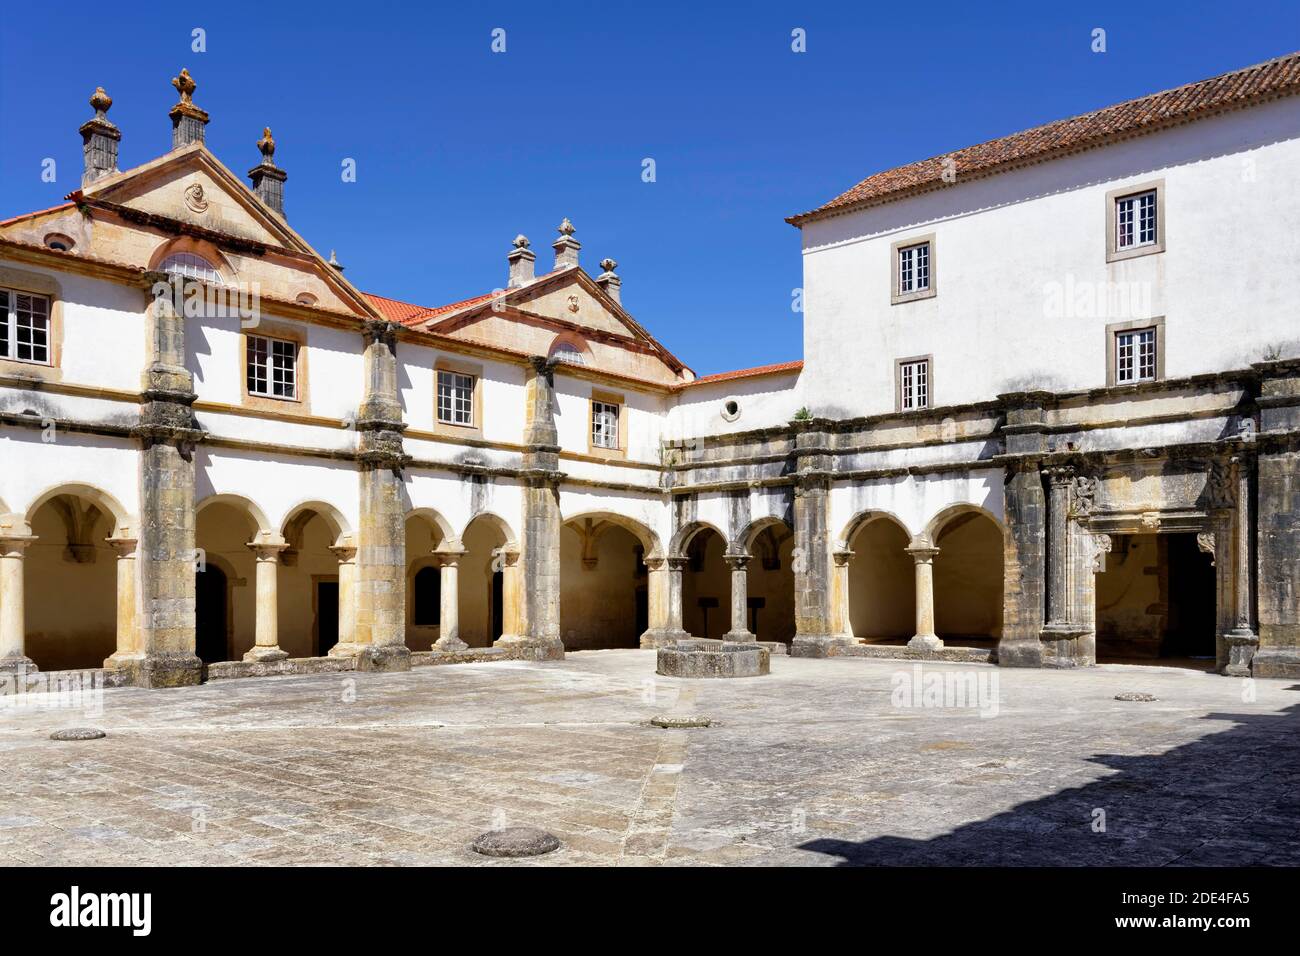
[[1277, 544], [925, 639], [379, 641], [15, 536], [449, 592], [840, 606], [1242, 641], [168, 433], [266, 636], [1061, 634], [664, 595], [538, 636], [128, 652], [347, 555], [1023, 568], [739, 566], [815, 633]]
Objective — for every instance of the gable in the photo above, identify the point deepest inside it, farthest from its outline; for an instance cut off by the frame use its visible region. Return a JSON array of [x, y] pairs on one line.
[[573, 303]]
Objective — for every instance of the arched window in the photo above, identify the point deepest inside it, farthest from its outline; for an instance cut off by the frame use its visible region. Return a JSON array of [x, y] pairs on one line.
[[426, 607], [190, 266], [568, 352]]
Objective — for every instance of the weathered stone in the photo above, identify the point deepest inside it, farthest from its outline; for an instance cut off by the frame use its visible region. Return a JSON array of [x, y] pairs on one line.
[[78, 733], [515, 842], [674, 721], [1137, 696], [700, 658]]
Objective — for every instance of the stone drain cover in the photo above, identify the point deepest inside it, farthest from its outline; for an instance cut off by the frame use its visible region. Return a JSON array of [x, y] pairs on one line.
[[1136, 696], [673, 721], [78, 733], [515, 841]]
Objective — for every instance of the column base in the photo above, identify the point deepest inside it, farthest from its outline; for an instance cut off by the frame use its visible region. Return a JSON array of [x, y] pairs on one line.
[[662, 637], [1276, 662], [1242, 644], [347, 649], [530, 648], [384, 657], [17, 665], [1062, 646], [738, 637], [819, 645], [1020, 653], [925, 642], [261, 655], [122, 661], [165, 670], [451, 645]]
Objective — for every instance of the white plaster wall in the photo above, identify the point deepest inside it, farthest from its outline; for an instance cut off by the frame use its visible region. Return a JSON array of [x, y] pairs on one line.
[[459, 499], [277, 484], [103, 332], [1226, 284], [765, 401], [915, 500], [503, 392], [652, 512], [33, 467]]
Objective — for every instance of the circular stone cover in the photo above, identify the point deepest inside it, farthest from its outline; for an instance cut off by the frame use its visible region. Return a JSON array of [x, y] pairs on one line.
[[1136, 696], [78, 733], [672, 721], [515, 841]]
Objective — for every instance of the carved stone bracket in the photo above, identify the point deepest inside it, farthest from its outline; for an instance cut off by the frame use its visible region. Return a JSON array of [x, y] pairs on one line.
[[1205, 541], [1220, 486], [1101, 545]]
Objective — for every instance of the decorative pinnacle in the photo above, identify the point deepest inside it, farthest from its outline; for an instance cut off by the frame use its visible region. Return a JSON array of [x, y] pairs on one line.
[[185, 85], [267, 146], [609, 265], [335, 262], [521, 241], [566, 227], [100, 102]]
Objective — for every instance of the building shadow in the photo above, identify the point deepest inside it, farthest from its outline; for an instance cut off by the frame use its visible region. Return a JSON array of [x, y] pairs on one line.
[[1231, 798]]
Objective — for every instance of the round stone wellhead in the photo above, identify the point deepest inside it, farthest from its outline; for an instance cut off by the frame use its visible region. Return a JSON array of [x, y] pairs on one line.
[[1136, 696], [78, 733], [515, 842]]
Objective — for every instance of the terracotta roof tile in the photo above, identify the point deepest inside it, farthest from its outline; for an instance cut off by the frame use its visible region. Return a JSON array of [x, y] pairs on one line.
[[1245, 87], [795, 366], [411, 315]]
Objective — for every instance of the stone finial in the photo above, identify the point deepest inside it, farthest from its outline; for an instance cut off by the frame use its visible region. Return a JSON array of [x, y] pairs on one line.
[[521, 260], [99, 139], [335, 262], [566, 247], [188, 121], [608, 281], [268, 179]]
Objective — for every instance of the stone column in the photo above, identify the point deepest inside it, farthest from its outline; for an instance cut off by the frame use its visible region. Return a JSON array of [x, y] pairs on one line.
[[1061, 633], [507, 560], [924, 639], [379, 641], [739, 565], [840, 606], [166, 555], [347, 555], [815, 630], [449, 592], [266, 645], [1242, 641], [15, 536], [539, 540], [1025, 513], [664, 594], [128, 649]]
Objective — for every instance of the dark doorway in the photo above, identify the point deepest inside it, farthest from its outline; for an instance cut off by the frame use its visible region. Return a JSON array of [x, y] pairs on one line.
[[210, 626], [327, 616], [1190, 632], [642, 611], [498, 604]]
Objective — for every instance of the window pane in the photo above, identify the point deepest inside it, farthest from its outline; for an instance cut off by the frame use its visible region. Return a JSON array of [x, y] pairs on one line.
[[1124, 223], [31, 328], [4, 323], [923, 267], [904, 270], [191, 267], [455, 398], [604, 425]]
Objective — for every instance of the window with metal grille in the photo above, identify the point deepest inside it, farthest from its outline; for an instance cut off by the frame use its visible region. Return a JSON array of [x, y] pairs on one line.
[[272, 367], [604, 425], [914, 384], [914, 268], [1135, 220], [455, 398], [190, 266], [24, 327], [1135, 356]]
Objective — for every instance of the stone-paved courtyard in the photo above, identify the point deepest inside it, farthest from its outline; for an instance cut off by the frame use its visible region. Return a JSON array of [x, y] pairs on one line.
[[813, 764]]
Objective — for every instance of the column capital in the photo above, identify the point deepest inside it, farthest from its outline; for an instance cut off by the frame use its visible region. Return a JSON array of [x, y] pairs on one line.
[[677, 562], [346, 553], [123, 545], [842, 557], [267, 547], [922, 553], [737, 561], [448, 557], [654, 564]]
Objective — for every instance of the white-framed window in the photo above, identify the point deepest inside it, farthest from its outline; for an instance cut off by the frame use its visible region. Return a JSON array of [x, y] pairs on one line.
[[914, 268], [1135, 356], [604, 424], [190, 266], [272, 367], [455, 398], [568, 353], [1135, 220], [914, 384], [24, 327]]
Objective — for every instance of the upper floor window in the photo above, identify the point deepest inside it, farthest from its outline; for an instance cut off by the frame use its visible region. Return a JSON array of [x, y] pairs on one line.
[[24, 327], [1135, 356], [272, 367], [913, 269], [1134, 221], [190, 266], [455, 398], [913, 384], [568, 352], [604, 424]]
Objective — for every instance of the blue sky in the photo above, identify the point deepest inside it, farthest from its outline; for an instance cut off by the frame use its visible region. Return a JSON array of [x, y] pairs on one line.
[[458, 148]]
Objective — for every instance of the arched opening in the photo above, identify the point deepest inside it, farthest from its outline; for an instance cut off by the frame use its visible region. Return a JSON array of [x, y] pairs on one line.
[[604, 597], [1156, 601], [968, 581], [225, 575], [770, 581], [308, 583], [882, 582], [706, 585], [70, 584], [425, 532], [481, 581]]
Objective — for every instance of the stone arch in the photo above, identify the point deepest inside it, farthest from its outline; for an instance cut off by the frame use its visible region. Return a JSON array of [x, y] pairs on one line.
[[878, 577], [197, 247], [968, 573], [862, 518], [488, 587], [604, 580], [106, 503], [566, 344], [225, 604], [648, 539], [498, 522], [239, 502], [681, 540], [945, 516], [334, 518], [436, 521], [769, 576]]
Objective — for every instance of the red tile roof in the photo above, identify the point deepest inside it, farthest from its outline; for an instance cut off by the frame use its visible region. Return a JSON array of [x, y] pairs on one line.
[[411, 315], [1246, 87], [39, 212], [796, 366]]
